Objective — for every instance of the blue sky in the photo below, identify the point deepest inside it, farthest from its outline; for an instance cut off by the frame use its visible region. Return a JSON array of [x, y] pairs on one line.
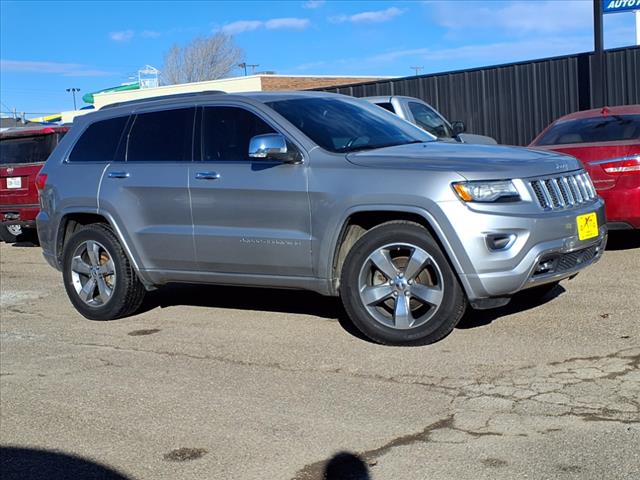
[[46, 47]]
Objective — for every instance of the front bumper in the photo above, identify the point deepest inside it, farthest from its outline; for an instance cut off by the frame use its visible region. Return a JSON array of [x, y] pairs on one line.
[[545, 248]]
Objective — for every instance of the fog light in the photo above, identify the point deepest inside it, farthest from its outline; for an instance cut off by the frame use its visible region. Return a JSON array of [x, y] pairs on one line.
[[500, 241]]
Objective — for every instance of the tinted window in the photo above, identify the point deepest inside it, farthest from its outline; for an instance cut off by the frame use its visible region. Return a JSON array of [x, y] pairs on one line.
[[387, 106], [600, 129], [164, 136], [429, 120], [344, 125], [226, 132], [27, 149], [99, 141]]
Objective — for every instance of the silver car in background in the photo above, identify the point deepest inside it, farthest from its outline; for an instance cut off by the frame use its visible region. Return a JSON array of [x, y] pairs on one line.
[[423, 115], [309, 190]]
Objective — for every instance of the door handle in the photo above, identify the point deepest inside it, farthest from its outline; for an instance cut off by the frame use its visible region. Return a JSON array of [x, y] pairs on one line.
[[207, 175], [118, 175]]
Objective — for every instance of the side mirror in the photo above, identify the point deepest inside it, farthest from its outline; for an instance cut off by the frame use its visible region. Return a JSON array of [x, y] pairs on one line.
[[271, 146], [458, 127]]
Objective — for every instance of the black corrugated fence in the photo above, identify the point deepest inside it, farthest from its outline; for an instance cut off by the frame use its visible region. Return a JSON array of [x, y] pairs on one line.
[[513, 103]]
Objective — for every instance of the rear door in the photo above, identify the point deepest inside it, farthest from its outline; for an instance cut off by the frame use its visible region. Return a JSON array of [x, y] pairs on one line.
[[250, 216], [147, 193]]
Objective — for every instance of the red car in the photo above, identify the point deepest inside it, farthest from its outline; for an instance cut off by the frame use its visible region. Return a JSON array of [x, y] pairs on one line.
[[23, 151], [607, 141]]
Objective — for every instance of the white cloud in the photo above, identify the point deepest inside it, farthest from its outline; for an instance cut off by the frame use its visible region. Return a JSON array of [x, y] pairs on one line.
[[121, 36], [150, 34], [64, 69], [376, 16], [313, 4], [241, 26], [293, 23], [516, 17]]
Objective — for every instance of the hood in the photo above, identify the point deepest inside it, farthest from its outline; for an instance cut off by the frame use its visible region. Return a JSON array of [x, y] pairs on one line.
[[474, 162]]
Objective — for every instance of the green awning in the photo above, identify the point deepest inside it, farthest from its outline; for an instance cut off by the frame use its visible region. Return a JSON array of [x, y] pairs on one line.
[[88, 97]]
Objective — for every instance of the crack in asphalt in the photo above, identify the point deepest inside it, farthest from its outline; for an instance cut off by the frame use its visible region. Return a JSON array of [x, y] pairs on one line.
[[537, 399], [463, 425]]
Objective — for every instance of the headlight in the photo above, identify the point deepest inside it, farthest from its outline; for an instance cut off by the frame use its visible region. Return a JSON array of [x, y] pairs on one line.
[[487, 191]]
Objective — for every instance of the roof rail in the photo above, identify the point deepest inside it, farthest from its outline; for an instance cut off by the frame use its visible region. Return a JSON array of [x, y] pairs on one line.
[[163, 97]]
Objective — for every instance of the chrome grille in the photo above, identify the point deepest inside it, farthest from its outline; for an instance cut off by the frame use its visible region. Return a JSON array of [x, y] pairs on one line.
[[563, 191]]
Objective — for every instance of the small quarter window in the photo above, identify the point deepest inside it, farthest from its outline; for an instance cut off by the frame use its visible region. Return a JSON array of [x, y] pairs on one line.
[[387, 106]]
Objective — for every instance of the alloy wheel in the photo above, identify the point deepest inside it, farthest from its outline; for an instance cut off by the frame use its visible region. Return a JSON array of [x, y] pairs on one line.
[[93, 273], [401, 286]]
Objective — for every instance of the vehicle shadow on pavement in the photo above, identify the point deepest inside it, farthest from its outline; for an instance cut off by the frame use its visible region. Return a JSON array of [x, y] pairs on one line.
[[623, 240], [521, 301], [244, 298], [20, 463], [248, 298]]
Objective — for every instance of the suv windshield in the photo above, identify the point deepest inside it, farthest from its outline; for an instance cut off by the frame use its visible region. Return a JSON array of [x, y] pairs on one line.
[[430, 120], [26, 149], [599, 129], [342, 125]]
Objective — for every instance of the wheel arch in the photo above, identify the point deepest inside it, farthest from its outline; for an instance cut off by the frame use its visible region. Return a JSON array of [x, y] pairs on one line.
[[359, 220], [72, 220]]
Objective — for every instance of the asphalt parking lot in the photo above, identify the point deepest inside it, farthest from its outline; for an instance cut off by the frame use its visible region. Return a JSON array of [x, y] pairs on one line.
[[230, 383]]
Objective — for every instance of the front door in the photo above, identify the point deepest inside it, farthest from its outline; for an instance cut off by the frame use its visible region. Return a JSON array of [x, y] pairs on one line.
[[250, 216]]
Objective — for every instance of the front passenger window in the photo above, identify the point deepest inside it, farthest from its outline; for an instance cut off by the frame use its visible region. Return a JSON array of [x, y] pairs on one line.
[[226, 132]]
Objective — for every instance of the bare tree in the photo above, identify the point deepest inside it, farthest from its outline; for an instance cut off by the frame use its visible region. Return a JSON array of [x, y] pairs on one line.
[[204, 58]]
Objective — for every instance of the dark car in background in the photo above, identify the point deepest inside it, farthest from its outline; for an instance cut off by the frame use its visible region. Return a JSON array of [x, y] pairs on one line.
[[23, 151], [607, 141]]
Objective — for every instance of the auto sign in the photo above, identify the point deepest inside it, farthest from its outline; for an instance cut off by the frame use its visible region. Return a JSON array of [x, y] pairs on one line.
[[615, 6]]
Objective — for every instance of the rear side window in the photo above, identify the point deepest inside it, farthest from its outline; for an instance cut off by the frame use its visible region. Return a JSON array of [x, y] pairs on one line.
[[164, 136], [99, 141], [226, 132], [26, 149], [611, 128]]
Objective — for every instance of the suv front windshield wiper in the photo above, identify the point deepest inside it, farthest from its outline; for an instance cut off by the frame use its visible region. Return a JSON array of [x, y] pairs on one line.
[[360, 148]]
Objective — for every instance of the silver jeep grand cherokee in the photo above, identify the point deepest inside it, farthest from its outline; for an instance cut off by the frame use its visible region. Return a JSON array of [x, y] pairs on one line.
[[309, 191]]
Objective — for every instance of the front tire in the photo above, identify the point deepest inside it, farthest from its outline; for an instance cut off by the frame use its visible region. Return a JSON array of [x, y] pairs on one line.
[[98, 277], [398, 287]]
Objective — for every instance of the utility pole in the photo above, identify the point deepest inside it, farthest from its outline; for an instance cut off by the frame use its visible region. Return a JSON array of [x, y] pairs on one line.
[[243, 65], [598, 78], [417, 69], [73, 91]]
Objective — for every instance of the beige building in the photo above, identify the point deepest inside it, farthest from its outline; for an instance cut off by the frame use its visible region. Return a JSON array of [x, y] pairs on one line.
[[251, 83]]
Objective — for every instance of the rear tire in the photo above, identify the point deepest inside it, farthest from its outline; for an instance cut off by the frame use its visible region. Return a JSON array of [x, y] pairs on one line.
[[7, 235], [98, 277], [398, 287]]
